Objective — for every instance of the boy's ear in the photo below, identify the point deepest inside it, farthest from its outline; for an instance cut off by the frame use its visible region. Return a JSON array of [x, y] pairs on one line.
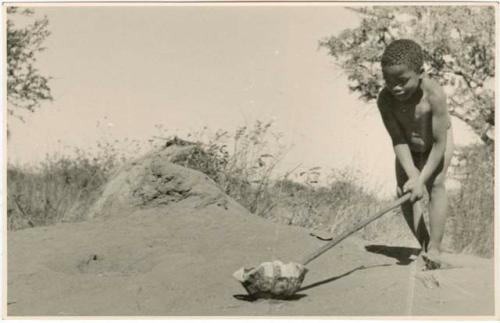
[[421, 72]]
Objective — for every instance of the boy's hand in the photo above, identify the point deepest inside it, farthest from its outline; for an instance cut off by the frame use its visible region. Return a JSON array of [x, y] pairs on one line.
[[416, 187]]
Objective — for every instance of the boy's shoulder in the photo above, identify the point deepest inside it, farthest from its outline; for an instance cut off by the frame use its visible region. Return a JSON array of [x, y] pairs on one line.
[[433, 91], [384, 99]]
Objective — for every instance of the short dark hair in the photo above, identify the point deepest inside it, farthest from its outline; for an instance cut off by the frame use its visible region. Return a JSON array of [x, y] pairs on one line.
[[403, 51]]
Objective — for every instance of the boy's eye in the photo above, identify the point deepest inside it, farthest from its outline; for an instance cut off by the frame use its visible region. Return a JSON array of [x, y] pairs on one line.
[[397, 82], [401, 81]]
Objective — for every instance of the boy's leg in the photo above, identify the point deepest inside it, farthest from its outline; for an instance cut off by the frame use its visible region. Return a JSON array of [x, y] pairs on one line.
[[412, 212], [438, 207]]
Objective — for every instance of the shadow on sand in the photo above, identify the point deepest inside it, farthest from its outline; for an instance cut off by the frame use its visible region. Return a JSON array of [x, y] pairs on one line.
[[329, 280], [248, 298], [401, 254]]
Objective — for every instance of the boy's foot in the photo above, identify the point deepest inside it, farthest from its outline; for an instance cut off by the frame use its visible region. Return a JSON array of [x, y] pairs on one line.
[[431, 262], [434, 261], [432, 258]]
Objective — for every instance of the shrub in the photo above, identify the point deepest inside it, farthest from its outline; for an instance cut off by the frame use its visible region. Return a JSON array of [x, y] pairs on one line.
[[472, 207], [335, 206], [62, 188], [243, 171]]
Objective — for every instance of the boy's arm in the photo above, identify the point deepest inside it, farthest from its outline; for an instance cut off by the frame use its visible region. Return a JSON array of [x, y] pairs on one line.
[[440, 121], [403, 154], [400, 145]]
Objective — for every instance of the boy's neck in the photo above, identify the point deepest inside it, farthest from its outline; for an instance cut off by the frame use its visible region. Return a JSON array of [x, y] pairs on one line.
[[416, 96]]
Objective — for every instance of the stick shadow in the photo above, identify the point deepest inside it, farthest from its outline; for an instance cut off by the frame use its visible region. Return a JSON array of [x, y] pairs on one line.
[[332, 279], [401, 254], [295, 297], [249, 298]]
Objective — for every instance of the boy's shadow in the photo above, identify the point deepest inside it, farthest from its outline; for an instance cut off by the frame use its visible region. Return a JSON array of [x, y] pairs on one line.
[[401, 254]]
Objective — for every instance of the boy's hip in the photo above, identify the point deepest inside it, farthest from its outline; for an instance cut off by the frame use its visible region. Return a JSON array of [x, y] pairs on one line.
[[420, 151]]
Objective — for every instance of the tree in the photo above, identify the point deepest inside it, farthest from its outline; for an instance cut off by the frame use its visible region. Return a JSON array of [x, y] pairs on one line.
[[26, 87], [459, 49]]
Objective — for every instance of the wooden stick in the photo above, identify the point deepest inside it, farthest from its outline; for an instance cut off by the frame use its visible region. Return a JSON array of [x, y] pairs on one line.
[[359, 226]]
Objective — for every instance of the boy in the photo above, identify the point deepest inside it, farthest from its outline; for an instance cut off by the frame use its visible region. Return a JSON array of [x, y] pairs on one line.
[[414, 112]]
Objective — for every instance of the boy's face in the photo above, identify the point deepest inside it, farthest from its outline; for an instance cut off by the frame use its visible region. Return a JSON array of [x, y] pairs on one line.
[[401, 81]]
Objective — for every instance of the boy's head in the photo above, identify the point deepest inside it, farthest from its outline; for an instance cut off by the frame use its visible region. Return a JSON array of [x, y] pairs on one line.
[[404, 52], [402, 66]]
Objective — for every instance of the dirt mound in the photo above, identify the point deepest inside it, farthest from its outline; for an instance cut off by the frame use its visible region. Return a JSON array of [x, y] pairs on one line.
[[155, 180]]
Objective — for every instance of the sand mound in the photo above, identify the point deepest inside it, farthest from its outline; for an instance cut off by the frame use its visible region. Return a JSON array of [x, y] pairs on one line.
[[155, 180]]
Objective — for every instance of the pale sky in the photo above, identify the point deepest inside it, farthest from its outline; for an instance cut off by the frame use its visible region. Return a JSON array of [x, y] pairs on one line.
[[119, 71]]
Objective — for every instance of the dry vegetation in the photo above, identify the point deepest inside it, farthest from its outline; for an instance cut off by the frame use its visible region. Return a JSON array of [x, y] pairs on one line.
[[60, 189], [244, 164], [472, 207]]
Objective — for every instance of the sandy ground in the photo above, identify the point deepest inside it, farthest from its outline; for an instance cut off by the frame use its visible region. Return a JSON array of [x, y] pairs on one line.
[[178, 260]]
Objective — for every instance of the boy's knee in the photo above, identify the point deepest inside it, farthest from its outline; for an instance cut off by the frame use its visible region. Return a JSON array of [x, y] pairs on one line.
[[438, 185]]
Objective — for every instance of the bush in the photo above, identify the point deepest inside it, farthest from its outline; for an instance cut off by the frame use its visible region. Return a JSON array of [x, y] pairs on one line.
[[62, 188], [243, 171], [335, 206], [472, 207]]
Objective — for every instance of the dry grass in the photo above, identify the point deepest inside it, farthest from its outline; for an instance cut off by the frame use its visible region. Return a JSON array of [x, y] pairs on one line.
[[61, 189], [243, 163], [472, 207], [334, 206]]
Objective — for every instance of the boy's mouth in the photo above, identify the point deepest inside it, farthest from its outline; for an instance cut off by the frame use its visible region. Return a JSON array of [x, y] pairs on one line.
[[400, 95], [403, 95]]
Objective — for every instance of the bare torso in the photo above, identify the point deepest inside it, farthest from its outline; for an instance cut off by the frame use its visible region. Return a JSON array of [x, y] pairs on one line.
[[415, 117]]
